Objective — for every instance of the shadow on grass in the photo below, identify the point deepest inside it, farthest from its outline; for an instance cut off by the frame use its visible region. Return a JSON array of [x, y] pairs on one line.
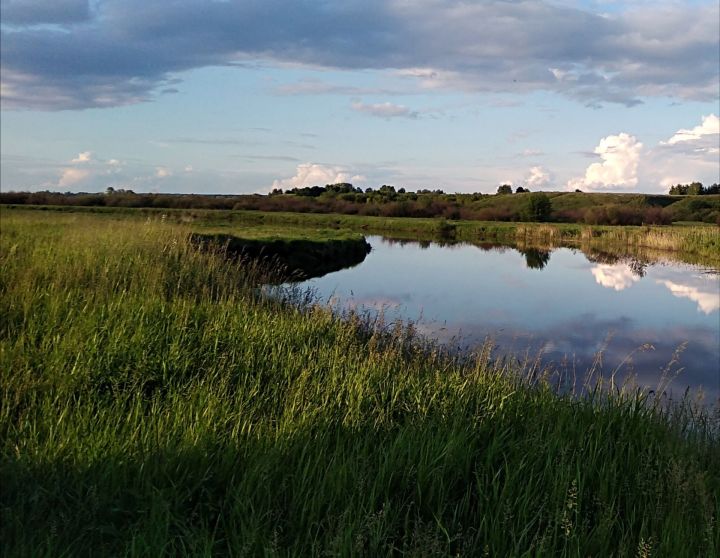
[[523, 478]]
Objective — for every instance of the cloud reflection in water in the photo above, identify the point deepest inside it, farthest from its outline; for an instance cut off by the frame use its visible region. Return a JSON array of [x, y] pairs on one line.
[[614, 276], [708, 300]]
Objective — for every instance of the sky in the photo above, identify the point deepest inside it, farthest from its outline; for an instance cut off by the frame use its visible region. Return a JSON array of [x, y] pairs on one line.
[[231, 97]]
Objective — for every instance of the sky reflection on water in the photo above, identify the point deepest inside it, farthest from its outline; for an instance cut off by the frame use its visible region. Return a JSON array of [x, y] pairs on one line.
[[558, 303]]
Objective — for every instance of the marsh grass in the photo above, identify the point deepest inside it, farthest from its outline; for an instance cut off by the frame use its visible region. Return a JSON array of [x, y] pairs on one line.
[[153, 403]]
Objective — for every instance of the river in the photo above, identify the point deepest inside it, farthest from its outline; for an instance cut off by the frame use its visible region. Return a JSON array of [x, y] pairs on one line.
[[643, 320]]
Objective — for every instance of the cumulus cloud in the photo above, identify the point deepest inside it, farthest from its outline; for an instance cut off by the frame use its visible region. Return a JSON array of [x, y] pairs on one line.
[[162, 172], [84, 157], [123, 51], [312, 174], [620, 156], [701, 142], [85, 169], [710, 126], [72, 176], [384, 110], [538, 178], [690, 154], [618, 276]]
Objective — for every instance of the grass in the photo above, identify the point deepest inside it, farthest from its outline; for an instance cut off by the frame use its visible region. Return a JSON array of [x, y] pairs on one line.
[[692, 242], [153, 404], [289, 258]]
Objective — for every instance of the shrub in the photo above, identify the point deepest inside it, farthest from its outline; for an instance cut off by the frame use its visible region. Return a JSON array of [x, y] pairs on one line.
[[537, 207]]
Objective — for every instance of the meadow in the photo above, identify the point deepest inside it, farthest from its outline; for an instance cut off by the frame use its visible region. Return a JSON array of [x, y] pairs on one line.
[[155, 403]]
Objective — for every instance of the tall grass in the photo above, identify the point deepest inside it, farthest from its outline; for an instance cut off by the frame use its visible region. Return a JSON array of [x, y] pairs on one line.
[[693, 244], [690, 243], [154, 404]]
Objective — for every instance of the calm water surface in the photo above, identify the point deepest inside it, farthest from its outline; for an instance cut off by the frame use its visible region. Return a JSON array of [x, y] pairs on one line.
[[558, 304]]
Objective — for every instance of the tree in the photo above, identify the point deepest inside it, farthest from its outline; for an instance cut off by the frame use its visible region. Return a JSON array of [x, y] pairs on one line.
[[696, 189], [537, 207], [692, 189], [678, 190], [504, 189], [520, 190]]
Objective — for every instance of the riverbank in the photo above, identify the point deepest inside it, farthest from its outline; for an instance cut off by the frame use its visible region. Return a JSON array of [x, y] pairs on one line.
[[697, 243], [288, 259], [154, 405]]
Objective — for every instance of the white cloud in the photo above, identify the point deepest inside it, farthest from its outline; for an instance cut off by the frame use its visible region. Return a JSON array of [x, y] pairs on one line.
[[85, 166], [537, 178], [618, 276], [708, 301], [162, 172], [72, 176], [384, 110], [688, 155], [620, 156], [312, 174], [84, 157], [188, 168], [710, 126]]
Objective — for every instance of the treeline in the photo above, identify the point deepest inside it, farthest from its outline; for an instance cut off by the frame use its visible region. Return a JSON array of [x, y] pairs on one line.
[[120, 198], [694, 189], [387, 201]]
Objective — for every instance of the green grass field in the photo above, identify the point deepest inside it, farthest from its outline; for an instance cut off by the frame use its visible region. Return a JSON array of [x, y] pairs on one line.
[[154, 404]]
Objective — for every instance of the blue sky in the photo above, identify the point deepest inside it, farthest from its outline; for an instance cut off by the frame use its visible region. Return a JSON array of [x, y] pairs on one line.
[[234, 97]]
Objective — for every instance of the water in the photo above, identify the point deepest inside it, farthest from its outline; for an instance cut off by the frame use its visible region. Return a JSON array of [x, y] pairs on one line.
[[643, 320]]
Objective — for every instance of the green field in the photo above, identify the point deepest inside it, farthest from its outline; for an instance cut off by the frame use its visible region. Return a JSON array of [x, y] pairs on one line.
[[154, 404]]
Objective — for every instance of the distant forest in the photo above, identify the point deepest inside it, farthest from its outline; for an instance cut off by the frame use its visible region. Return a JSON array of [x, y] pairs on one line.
[[686, 202]]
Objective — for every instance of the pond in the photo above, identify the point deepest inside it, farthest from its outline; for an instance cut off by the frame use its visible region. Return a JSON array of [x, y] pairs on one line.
[[643, 319]]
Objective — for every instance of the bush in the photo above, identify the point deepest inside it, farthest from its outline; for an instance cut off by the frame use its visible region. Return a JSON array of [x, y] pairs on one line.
[[537, 208], [614, 214]]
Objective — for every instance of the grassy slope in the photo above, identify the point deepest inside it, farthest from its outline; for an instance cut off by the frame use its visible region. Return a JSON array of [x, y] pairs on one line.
[[152, 405], [576, 200]]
